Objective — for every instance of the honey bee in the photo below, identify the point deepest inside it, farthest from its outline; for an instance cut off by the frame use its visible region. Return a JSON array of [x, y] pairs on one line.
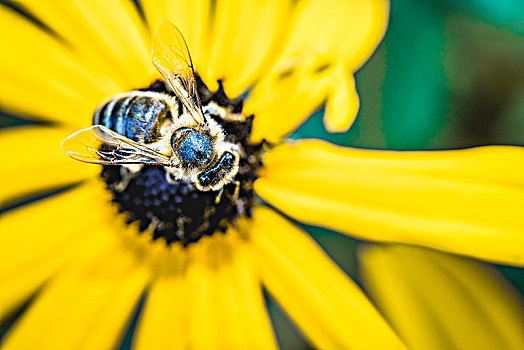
[[146, 127]]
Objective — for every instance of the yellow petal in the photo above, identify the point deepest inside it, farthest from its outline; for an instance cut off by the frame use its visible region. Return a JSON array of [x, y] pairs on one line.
[[342, 104], [244, 39], [350, 30], [107, 35], [441, 301], [163, 323], [33, 161], [325, 304], [328, 42], [464, 201], [216, 315], [203, 320], [85, 306], [209, 298], [40, 238], [41, 77]]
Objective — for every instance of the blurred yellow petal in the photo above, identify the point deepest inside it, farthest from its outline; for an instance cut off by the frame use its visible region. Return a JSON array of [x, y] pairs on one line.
[[441, 301], [464, 201], [342, 104], [203, 320], [42, 78], [33, 244], [86, 306], [118, 30], [33, 161], [325, 304], [327, 44], [163, 321], [214, 309], [244, 39], [227, 313], [120, 51], [350, 29]]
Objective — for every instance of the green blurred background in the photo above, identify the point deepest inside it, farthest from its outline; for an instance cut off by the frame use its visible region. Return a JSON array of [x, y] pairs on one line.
[[448, 74]]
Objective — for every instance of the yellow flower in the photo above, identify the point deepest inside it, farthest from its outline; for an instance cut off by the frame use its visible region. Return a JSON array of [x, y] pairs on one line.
[[87, 269]]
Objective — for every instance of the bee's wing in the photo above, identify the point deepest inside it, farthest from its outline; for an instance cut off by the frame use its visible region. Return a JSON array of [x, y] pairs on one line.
[[100, 145], [171, 57]]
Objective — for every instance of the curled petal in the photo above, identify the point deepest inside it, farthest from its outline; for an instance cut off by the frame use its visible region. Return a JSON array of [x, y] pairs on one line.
[[316, 65]]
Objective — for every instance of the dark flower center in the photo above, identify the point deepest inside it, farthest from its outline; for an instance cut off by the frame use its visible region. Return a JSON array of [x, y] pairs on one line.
[[179, 212]]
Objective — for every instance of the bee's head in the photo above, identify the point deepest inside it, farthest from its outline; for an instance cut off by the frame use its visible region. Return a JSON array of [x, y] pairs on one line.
[[194, 149]]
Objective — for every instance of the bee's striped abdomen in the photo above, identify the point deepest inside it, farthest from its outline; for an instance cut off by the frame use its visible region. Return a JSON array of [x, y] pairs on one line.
[[135, 116]]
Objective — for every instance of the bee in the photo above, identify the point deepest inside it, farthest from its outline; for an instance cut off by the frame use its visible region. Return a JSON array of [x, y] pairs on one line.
[[145, 127]]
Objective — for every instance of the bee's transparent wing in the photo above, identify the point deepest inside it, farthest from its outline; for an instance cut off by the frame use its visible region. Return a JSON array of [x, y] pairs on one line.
[[171, 57], [100, 145]]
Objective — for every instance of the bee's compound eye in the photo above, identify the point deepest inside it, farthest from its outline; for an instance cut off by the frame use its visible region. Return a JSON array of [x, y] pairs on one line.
[[193, 148]]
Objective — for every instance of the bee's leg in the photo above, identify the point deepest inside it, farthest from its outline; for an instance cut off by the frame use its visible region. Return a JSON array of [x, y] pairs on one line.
[[180, 221], [219, 195], [127, 174], [237, 189], [153, 224]]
